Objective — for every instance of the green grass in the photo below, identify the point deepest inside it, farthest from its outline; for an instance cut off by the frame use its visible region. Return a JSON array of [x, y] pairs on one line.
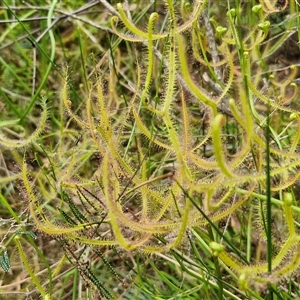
[[149, 152]]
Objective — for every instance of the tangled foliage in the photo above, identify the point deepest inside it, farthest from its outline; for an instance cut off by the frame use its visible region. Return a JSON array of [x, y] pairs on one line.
[[186, 150]]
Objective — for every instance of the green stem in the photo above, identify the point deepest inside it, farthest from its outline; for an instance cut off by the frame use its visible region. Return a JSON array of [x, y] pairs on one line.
[[268, 191]]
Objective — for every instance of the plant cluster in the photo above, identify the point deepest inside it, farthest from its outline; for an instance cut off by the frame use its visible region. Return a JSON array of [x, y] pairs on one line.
[[143, 170]]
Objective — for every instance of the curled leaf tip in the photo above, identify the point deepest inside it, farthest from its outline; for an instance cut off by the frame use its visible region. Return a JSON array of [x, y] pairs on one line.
[[257, 8]]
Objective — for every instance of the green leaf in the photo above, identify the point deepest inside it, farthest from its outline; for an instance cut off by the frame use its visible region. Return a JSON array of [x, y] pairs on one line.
[[5, 261], [30, 233]]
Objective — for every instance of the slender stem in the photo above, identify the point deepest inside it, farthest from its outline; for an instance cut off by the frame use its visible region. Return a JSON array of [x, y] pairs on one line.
[[268, 191]]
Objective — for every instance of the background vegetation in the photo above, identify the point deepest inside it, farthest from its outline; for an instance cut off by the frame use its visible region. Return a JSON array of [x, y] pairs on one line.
[[149, 149]]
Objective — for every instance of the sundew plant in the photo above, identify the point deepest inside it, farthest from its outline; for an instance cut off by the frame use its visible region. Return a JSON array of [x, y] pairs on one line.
[[180, 143]]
